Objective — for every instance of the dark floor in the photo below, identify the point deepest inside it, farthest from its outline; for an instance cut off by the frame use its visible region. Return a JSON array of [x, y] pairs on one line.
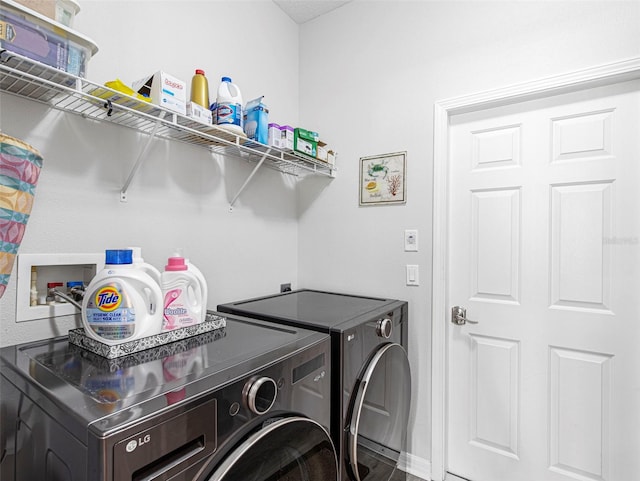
[[405, 477], [379, 468]]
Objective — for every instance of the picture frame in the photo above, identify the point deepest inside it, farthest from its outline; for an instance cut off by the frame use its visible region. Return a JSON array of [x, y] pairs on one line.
[[383, 179]]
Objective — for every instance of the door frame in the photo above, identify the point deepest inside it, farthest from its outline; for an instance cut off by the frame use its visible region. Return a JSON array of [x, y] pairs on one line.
[[607, 74]]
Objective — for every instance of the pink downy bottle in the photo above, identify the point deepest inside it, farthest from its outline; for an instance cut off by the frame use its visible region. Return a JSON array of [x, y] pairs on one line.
[[182, 296]]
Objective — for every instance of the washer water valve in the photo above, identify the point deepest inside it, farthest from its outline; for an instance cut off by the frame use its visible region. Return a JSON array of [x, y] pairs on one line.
[[75, 295]]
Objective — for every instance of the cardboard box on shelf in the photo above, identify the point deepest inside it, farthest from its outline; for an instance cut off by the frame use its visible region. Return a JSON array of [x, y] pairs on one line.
[[45, 7], [331, 157], [305, 141], [287, 133], [256, 121], [165, 90], [281, 136], [273, 135], [199, 113], [322, 152]]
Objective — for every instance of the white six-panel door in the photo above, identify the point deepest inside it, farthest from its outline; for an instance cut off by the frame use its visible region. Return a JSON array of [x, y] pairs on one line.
[[544, 253]]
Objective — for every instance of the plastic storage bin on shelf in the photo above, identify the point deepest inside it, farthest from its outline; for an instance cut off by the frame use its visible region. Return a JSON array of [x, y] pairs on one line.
[[33, 35], [62, 11], [66, 11]]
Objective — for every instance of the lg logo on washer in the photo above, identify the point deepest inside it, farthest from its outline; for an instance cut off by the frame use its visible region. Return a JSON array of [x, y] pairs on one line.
[[133, 444]]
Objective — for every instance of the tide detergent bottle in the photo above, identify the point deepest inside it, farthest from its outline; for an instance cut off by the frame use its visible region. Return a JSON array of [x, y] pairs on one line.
[[182, 296], [122, 303], [139, 263]]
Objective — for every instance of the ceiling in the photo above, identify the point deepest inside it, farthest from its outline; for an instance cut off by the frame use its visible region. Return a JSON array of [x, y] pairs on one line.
[[302, 11]]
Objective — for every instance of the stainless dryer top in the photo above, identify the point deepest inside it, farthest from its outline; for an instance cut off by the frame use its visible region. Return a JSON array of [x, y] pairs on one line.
[[312, 309]]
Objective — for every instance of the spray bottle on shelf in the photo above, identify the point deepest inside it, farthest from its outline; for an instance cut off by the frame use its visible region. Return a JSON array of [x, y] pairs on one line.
[[204, 292], [182, 296], [121, 301]]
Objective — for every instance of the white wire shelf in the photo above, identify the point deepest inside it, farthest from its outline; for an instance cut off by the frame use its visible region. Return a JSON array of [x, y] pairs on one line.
[[29, 79]]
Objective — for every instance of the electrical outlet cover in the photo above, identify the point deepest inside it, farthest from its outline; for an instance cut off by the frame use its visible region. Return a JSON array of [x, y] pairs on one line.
[[411, 240]]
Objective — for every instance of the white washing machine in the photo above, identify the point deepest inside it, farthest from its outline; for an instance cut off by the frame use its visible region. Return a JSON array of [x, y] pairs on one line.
[[248, 402]]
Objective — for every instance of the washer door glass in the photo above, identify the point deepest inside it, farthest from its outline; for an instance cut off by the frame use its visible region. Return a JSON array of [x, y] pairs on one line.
[[379, 413], [292, 448]]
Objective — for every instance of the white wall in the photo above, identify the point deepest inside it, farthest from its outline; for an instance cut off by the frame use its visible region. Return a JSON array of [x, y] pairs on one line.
[[370, 73], [181, 195]]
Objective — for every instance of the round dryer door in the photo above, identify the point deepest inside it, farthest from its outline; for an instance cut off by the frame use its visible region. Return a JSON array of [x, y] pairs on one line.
[[292, 448], [378, 414]]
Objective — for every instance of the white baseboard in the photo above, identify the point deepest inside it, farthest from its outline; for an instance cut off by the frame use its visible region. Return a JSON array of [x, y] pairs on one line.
[[415, 465]]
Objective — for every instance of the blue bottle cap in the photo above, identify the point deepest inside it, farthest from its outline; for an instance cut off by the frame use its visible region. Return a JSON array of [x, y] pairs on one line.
[[226, 79], [119, 256]]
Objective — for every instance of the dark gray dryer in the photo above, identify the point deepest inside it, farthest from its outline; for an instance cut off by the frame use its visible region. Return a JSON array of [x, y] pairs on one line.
[[371, 379]]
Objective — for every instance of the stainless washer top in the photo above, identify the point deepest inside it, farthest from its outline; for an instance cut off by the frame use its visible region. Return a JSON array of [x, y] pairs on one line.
[[86, 390]]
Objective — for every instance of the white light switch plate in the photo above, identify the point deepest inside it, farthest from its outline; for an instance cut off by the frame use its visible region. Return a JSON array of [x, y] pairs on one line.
[[411, 240], [413, 275]]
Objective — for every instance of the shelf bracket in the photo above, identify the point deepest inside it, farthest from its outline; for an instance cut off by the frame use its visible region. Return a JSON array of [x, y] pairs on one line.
[[141, 157], [246, 182]]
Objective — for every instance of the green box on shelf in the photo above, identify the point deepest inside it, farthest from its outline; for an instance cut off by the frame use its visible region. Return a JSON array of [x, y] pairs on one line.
[[305, 141]]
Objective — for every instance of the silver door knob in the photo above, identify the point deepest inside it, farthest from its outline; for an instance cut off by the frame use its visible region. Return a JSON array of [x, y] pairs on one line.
[[459, 316]]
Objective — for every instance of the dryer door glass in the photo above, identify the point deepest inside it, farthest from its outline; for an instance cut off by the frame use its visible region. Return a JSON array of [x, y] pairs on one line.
[[378, 414], [290, 448]]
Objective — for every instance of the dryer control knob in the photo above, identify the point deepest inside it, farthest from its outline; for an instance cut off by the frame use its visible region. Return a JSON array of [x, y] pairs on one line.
[[384, 328], [260, 394]]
